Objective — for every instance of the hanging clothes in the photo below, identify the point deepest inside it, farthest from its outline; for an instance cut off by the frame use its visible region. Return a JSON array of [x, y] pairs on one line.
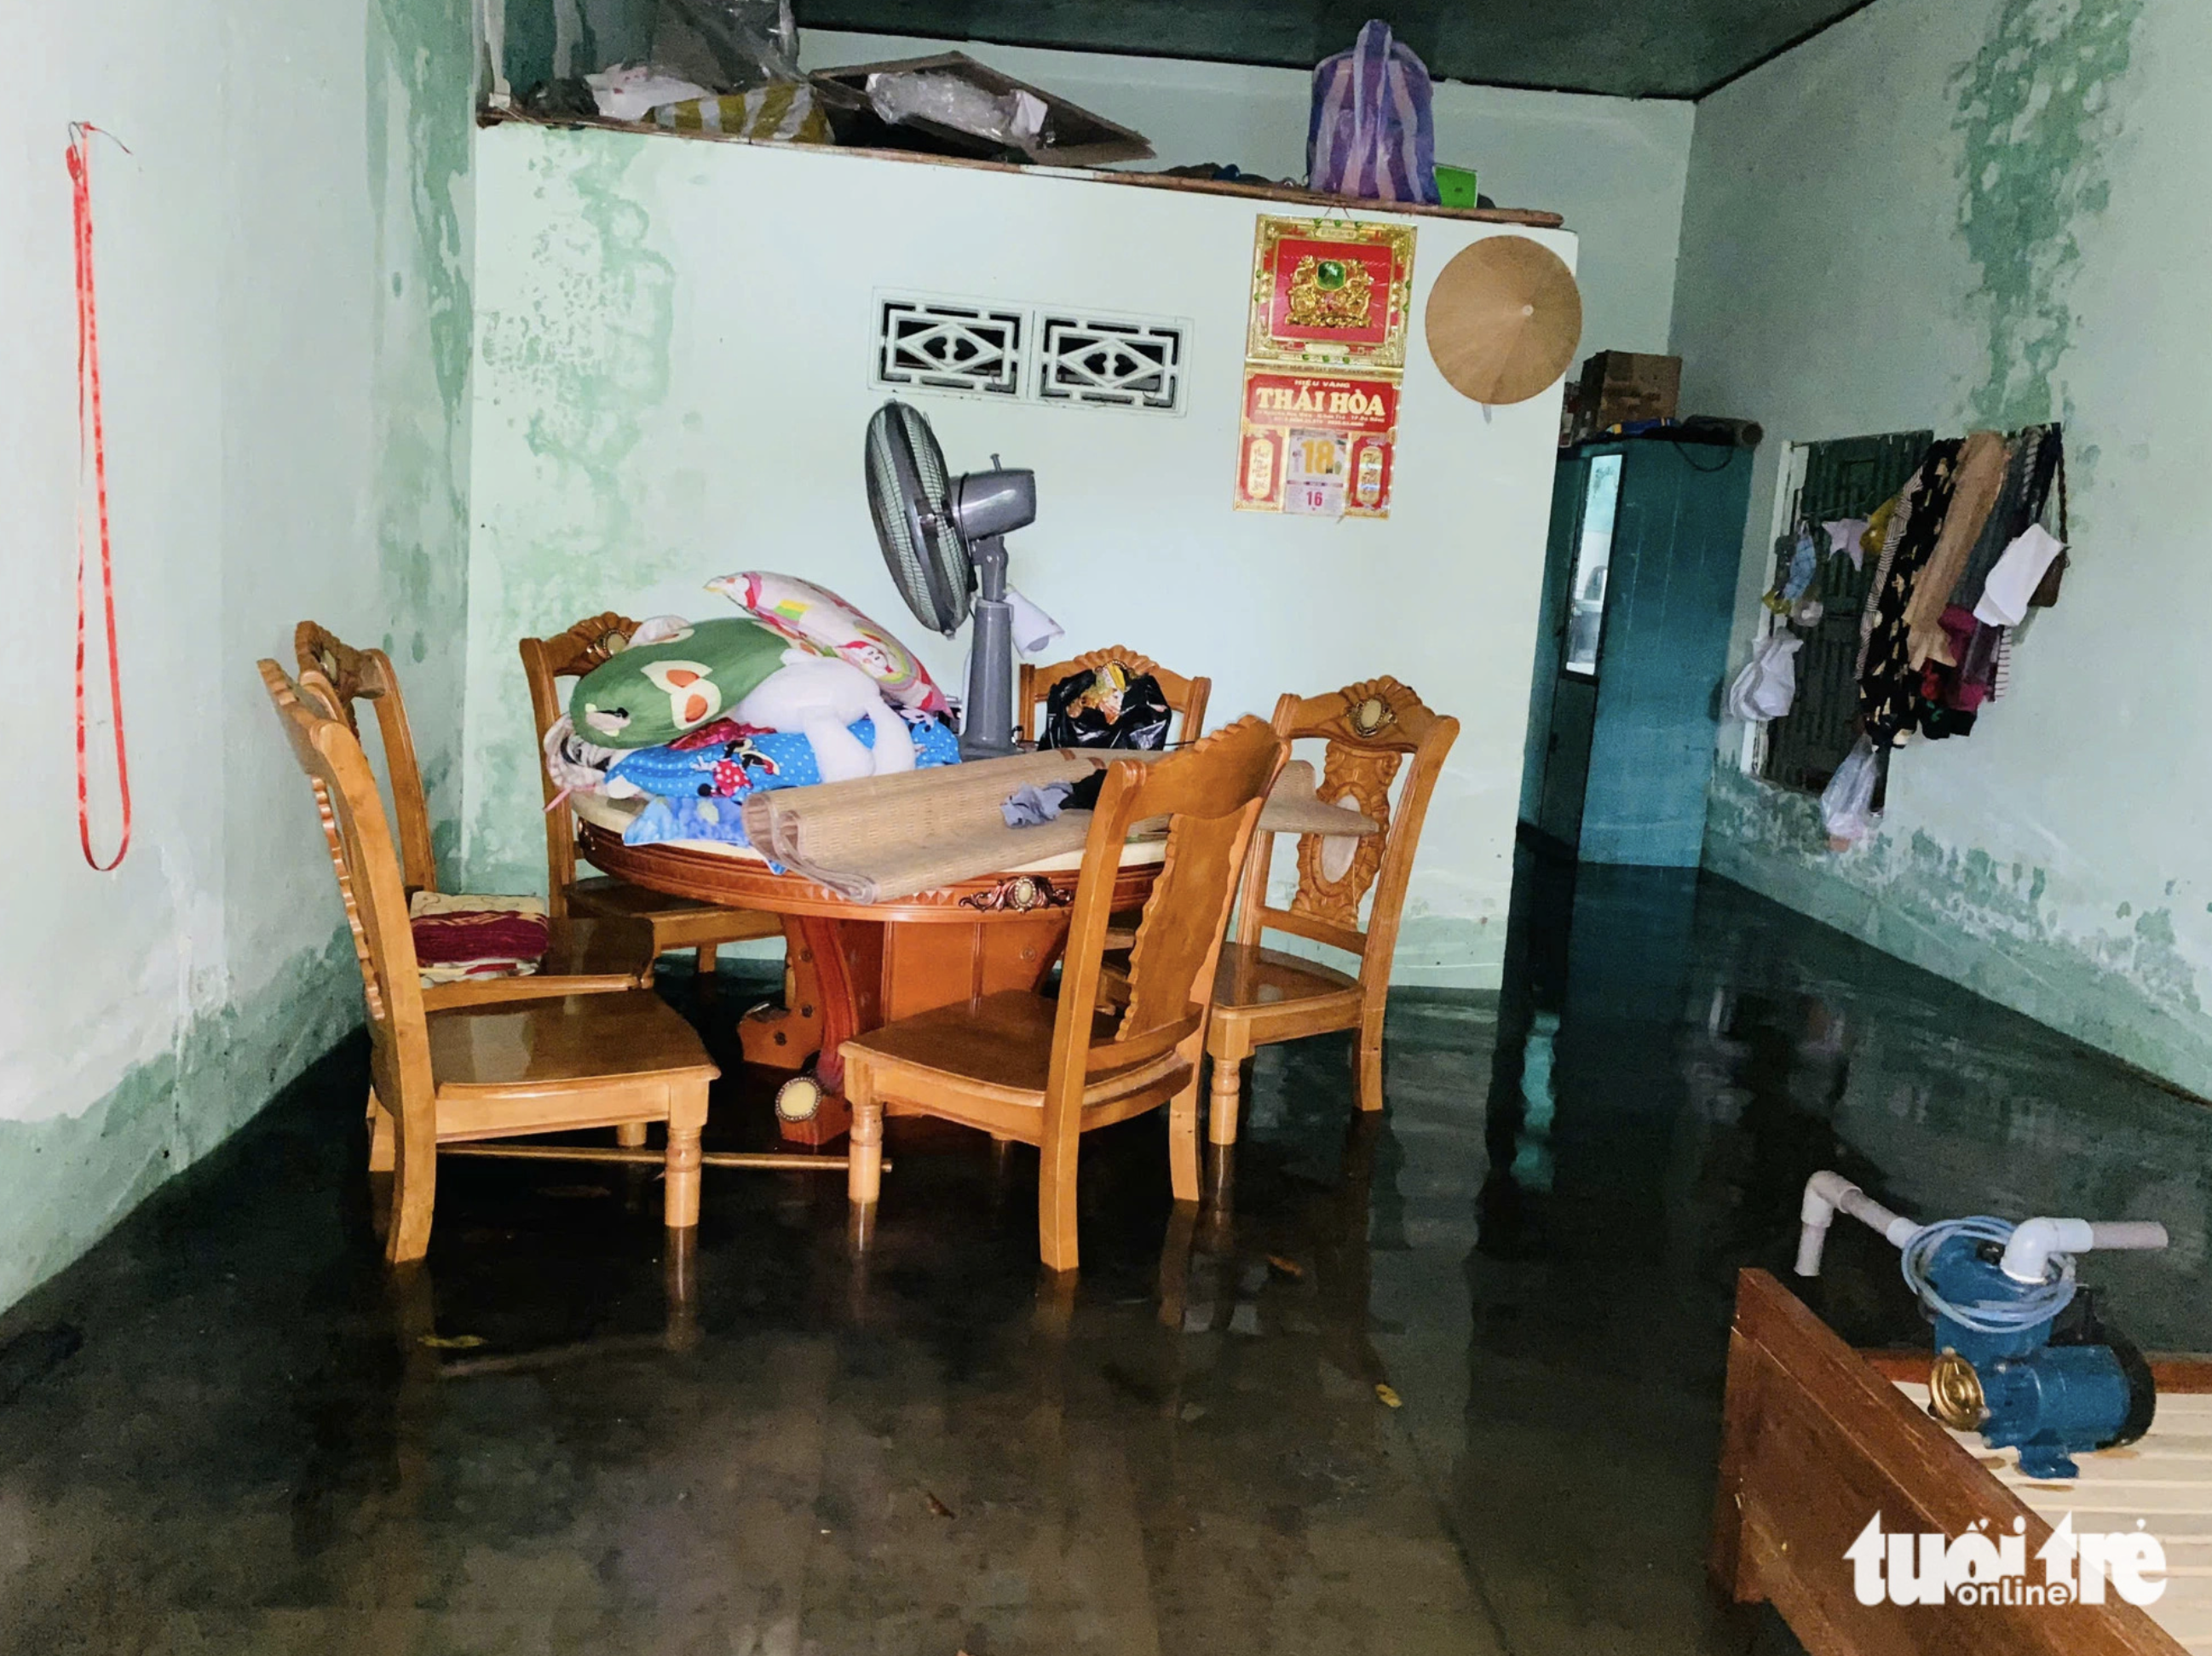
[[1975, 485], [1981, 656], [2035, 453], [1887, 527], [1949, 698], [1889, 687]]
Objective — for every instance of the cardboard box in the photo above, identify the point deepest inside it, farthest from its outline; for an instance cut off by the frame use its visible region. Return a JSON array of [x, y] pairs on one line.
[[1619, 386]]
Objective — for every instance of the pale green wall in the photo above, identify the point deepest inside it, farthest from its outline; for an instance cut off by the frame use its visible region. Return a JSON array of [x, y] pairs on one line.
[[1950, 212], [674, 340], [284, 282]]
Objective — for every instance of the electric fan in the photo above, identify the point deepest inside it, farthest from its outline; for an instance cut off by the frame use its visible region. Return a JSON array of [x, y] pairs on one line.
[[944, 540]]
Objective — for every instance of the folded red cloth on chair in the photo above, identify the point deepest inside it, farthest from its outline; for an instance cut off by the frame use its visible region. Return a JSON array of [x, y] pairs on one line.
[[480, 942]]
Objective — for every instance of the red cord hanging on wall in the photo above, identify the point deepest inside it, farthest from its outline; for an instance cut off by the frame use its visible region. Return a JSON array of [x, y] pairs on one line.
[[92, 448]]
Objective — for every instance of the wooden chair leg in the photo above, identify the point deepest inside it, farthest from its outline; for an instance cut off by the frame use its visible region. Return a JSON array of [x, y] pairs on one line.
[[382, 1133], [1182, 1142], [414, 1188], [863, 1169], [681, 1198], [1369, 1057], [706, 960], [679, 1278], [632, 1135], [1370, 1060], [1056, 1219], [1221, 1115]]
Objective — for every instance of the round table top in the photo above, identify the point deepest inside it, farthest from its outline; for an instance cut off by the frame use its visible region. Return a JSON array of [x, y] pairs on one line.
[[735, 876]]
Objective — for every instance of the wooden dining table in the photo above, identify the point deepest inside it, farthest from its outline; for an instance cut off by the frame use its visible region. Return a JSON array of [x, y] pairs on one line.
[[852, 966]]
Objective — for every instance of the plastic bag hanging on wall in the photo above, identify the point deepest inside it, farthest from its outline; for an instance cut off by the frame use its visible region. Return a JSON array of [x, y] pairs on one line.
[[1768, 683], [1847, 803]]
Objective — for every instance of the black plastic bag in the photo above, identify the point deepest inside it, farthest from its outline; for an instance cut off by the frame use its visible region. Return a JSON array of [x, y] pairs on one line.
[[1108, 707]]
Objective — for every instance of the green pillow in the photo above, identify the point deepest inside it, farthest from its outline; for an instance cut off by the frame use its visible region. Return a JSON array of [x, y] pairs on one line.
[[653, 693]]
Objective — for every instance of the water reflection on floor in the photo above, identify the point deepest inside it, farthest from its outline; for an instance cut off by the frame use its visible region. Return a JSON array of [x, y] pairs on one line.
[[555, 1438]]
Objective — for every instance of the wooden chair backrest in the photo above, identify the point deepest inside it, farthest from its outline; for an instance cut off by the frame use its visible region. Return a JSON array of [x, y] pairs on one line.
[[367, 675], [1369, 729], [1211, 793], [1186, 695], [369, 882], [545, 662]]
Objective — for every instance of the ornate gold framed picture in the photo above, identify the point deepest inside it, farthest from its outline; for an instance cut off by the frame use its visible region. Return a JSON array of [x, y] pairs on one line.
[[1330, 292]]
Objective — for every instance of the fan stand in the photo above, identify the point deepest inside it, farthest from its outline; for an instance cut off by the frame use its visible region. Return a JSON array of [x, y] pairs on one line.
[[986, 722]]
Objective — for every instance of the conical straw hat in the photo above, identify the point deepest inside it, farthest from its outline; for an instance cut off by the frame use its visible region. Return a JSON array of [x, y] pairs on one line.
[[1503, 320]]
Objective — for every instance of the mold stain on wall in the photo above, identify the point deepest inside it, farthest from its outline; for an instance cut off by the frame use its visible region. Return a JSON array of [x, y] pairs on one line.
[[2039, 117], [226, 1062], [66, 1178], [1999, 928], [419, 96], [574, 361], [2037, 121]]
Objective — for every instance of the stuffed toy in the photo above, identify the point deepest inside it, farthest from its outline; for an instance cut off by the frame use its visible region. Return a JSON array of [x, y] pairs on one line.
[[818, 696], [678, 680]]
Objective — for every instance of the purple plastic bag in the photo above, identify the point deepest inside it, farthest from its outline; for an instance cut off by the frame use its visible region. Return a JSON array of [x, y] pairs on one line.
[[1372, 134]]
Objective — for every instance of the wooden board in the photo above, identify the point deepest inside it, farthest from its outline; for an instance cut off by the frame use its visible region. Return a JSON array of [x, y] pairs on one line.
[[1527, 217], [2165, 1481], [1814, 1441]]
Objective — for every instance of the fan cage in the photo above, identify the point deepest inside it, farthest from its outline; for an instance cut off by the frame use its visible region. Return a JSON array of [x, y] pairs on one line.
[[927, 560]]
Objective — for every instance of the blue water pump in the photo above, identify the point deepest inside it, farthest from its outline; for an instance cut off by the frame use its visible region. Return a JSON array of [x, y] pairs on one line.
[[2019, 1357]]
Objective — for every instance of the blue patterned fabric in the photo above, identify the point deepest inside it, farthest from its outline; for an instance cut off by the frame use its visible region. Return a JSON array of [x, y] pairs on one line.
[[698, 785], [689, 819]]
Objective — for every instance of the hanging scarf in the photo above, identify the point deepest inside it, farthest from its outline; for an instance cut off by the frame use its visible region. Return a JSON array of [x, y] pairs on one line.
[[1889, 687]]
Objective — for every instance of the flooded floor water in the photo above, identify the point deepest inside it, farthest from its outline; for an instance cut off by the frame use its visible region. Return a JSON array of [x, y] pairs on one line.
[[1447, 1380]]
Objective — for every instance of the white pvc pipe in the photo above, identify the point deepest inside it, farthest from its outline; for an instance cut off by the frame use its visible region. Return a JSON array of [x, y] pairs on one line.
[[2028, 1256], [1828, 1193]]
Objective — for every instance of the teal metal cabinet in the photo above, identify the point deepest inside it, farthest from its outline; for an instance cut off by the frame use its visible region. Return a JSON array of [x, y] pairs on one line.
[[1639, 585]]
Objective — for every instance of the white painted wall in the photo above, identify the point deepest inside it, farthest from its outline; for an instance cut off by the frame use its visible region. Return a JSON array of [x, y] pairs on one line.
[[275, 429], [1940, 214], [1615, 167], [671, 383]]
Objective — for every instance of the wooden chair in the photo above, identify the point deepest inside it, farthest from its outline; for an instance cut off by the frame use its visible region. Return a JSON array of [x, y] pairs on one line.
[[493, 1072], [582, 957], [676, 922], [1264, 995], [1020, 1067], [1186, 696]]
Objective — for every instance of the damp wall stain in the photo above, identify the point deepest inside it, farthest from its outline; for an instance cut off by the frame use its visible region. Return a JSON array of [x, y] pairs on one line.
[[1999, 928], [381, 331], [420, 93], [65, 1180], [2020, 157], [572, 357], [2037, 121]]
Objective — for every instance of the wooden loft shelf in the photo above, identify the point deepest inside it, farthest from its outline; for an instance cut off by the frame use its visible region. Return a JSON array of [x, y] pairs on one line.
[[1278, 193]]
